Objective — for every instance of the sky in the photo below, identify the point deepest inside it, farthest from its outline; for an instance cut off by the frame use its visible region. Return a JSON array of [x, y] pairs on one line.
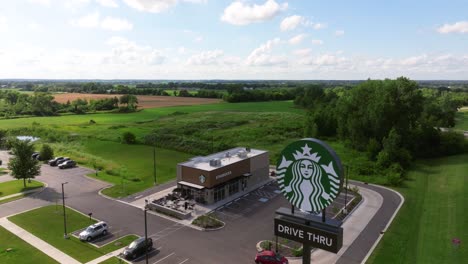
[[241, 39]]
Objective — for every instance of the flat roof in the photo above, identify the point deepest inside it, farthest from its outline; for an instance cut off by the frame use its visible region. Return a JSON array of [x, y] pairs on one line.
[[226, 157]]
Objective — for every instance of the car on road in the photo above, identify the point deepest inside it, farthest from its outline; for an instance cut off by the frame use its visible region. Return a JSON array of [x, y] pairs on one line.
[[95, 230], [67, 164], [53, 162], [35, 155], [270, 257], [137, 248]]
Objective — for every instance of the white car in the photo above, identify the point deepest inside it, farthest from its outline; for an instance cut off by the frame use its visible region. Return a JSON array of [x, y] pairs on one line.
[[92, 231]]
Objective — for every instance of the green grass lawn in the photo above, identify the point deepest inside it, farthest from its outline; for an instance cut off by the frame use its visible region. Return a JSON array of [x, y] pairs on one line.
[[434, 212], [16, 186], [47, 224], [12, 199], [461, 120], [21, 251], [137, 163]]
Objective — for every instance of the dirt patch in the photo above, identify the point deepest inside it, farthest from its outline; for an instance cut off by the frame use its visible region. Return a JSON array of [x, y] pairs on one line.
[[144, 101]]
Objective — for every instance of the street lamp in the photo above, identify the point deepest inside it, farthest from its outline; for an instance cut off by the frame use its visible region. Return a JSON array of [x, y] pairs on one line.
[[65, 235], [146, 232]]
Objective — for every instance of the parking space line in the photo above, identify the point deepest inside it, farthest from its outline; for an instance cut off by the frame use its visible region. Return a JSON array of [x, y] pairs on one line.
[[184, 261], [164, 258]]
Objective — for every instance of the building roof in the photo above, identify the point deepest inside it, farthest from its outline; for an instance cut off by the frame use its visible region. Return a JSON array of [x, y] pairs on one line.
[[224, 158]]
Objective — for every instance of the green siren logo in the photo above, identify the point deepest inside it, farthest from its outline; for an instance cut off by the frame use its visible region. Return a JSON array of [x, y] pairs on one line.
[[309, 174]]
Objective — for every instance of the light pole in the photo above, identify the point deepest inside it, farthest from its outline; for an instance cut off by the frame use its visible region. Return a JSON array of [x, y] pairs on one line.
[[65, 235], [146, 232], [346, 189]]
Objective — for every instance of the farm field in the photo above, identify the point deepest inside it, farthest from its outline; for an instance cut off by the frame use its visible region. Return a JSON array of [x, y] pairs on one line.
[[144, 101], [434, 212]]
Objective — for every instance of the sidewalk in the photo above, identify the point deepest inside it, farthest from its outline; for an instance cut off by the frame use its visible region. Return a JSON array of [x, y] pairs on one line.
[[37, 243], [22, 193], [107, 256], [352, 227]]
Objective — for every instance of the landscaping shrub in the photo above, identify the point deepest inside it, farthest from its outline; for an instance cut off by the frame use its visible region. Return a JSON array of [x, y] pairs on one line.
[[128, 138], [207, 221]]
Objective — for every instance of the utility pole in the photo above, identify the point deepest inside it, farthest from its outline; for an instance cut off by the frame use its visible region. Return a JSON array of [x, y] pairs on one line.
[[65, 234], [146, 232]]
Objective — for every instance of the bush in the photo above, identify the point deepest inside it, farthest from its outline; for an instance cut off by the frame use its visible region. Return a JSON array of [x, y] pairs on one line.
[[128, 138], [207, 221], [46, 152], [266, 245], [297, 251]]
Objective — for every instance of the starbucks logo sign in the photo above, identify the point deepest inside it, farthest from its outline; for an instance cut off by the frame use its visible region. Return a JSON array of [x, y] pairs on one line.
[[309, 174], [202, 178]]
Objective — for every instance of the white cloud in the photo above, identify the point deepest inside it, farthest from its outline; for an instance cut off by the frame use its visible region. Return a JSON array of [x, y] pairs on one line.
[[87, 21], [206, 58], [116, 24], [108, 3], [126, 52], [240, 13], [302, 52], [291, 22], [198, 39], [157, 6], [319, 26], [339, 33], [297, 39], [324, 60], [317, 42], [3, 24], [262, 56], [35, 27], [41, 2], [458, 27], [93, 20]]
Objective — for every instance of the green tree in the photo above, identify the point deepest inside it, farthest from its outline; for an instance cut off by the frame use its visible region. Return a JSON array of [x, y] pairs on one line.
[[22, 166], [46, 152]]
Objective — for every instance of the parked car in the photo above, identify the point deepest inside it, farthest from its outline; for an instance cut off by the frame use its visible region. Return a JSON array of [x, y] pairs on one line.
[[137, 248], [35, 155], [270, 257], [53, 162], [67, 164], [94, 231]]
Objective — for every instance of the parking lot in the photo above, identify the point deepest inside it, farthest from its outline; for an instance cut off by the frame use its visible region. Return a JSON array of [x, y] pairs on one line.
[[247, 204]]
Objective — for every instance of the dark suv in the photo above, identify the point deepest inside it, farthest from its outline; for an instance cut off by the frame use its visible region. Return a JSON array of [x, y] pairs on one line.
[[137, 248], [53, 162]]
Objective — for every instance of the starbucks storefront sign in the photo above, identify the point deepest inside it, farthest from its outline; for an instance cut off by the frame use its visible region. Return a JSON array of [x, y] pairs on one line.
[[323, 237]]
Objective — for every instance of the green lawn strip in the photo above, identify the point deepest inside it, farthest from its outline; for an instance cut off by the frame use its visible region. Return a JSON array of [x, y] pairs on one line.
[[461, 120], [13, 198], [21, 251], [434, 212], [113, 260], [47, 224], [16, 186]]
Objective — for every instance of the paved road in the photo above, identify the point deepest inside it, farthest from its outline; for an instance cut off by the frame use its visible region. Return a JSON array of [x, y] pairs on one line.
[[364, 242], [176, 243]]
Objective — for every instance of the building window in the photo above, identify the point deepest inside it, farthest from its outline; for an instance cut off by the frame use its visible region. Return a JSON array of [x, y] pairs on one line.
[[233, 187], [218, 194]]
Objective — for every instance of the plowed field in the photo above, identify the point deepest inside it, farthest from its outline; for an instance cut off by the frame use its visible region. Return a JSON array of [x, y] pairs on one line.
[[144, 101]]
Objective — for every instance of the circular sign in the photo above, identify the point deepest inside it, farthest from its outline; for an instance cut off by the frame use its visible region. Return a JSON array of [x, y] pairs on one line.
[[309, 174], [202, 178]]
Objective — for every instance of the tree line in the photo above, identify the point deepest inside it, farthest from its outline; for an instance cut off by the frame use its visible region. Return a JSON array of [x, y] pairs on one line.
[[394, 121]]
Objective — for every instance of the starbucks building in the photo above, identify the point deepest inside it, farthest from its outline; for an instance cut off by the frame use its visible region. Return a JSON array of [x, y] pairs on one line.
[[213, 178]]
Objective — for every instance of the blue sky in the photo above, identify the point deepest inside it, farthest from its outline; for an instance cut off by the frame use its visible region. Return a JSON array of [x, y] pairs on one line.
[[247, 39]]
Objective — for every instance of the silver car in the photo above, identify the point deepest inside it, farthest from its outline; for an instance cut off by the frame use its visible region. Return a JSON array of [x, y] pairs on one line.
[[92, 231]]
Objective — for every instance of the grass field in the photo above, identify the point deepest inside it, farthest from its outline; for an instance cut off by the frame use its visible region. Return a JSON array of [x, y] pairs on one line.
[[47, 224], [434, 212], [113, 260], [16, 186], [137, 163], [461, 120], [21, 251]]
